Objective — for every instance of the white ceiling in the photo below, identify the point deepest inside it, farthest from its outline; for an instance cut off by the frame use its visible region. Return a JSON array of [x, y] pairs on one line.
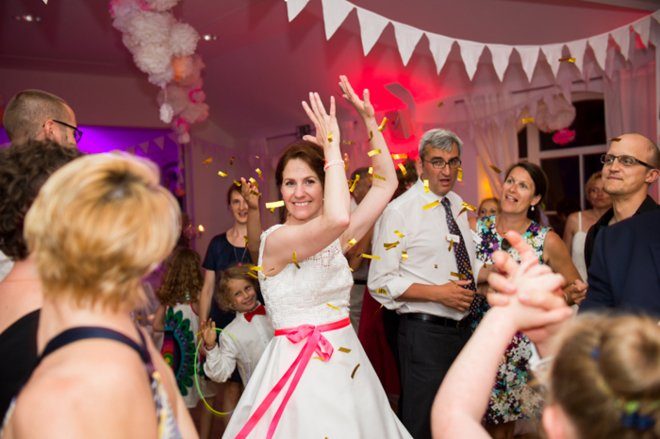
[[261, 66]]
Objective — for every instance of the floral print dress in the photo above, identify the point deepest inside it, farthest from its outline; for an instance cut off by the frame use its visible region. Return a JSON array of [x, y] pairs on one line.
[[511, 397]]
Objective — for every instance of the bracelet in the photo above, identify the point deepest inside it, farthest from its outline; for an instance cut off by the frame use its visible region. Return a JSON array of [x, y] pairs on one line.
[[333, 163]]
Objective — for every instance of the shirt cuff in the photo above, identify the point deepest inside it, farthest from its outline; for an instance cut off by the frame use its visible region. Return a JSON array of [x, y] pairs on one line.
[[397, 286]]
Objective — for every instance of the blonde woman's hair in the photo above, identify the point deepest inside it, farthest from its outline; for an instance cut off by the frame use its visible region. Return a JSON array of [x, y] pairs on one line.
[[606, 377], [98, 226]]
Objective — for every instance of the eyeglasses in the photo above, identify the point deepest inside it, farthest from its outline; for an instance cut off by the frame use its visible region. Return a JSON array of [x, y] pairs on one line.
[[625, 160], [440, 163], [77, 134]]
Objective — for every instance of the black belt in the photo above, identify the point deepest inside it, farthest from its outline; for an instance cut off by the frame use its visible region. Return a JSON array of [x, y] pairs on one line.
[[436, 320], [359, 282]]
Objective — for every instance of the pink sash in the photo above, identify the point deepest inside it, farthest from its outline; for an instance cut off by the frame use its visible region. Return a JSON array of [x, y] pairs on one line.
[[316, 342]]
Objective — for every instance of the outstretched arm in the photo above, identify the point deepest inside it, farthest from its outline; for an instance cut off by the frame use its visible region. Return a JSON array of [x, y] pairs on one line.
[[250, 192], [384, 175]]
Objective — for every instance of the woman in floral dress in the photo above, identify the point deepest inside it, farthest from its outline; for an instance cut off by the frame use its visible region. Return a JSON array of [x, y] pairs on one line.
[[523, 191]]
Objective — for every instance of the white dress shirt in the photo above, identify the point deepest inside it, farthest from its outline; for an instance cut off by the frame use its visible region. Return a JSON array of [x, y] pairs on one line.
[[241, 345], [425, 240]]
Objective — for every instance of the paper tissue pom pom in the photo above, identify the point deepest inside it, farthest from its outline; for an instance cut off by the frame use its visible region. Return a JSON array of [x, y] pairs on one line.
[[166, 113], [150, 27], [563, 136], [161, 5], [195, 113], [184, 138], [153, 59], [182, 67], [161, 78], [197, 95], [183, 39]]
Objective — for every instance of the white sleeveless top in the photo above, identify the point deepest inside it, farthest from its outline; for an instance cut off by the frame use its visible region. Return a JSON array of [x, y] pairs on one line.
[[577, 249]]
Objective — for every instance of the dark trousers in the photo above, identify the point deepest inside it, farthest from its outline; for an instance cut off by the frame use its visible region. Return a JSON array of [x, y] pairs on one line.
[[426, 351]]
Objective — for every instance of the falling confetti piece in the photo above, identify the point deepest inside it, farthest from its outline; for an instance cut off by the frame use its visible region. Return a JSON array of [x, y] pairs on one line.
[[399, 234], [495, 169], [256, 268], [402, 169], [237, 183], [275, 204], [381, 291], [200, 228], [390, 245], [469, 206], [333, 306], [374, 152], [567, 59], [294, 259], [459, 176], [378, 177], [440, 104], [431, 205], [426, 186], [451, 245], [351, 242], [245, 240], [259, 173], [368, 256], [399, 156], [347, 142], [526, 120], [382, 125], [344, 350], [208, 160], [253, 181], [252, 275], [330, 137], [460, 276], [352, 188], [371, 134], [355, 370], [222, 174], [370, 171], [404, 256]]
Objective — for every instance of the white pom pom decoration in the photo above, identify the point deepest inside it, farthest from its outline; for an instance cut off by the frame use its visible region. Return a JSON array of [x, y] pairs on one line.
[[183, 39], [166, 113], [161, 5]]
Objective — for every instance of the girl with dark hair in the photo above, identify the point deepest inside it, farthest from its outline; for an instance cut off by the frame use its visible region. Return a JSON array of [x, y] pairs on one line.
[[523, 191]]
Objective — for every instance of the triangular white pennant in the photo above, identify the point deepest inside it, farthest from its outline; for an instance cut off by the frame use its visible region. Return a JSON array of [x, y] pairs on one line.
[[293, 8], [470, 52], [371, 27], [334, 14], [529, 55], [553, 54], [599, 46], [407, 38], [144, 146], [440, 46], [500, 54], [622, 38], [643, 28], [160, 142], [577, 49]]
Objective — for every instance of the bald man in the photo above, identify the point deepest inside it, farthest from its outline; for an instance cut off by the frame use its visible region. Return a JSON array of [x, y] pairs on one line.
[[39, 115], [629, 168]]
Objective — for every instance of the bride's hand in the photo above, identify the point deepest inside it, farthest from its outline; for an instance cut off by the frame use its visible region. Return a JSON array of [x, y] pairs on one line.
[[325, 124], [363, 106]]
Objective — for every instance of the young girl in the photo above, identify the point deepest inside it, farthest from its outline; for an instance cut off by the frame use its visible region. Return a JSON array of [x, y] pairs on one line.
[[177, 318], [242, 341]]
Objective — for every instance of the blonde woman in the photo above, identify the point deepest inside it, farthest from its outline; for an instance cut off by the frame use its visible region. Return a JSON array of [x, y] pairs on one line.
[[97, 227]]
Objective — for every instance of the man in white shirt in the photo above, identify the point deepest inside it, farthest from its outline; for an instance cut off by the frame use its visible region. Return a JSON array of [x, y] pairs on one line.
[[426, 272]]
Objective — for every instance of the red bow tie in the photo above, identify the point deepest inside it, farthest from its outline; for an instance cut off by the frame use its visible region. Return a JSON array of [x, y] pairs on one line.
[[259, 310]]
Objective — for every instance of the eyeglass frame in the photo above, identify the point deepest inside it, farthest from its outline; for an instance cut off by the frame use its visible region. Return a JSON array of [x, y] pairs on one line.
[[77, 132], [445, 162], [635, 161]]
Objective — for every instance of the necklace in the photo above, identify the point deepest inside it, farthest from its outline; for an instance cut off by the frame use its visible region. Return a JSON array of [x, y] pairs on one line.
[[240, 261]]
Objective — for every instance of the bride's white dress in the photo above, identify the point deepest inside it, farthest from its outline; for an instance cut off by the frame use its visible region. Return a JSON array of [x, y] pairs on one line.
[[337, 399]]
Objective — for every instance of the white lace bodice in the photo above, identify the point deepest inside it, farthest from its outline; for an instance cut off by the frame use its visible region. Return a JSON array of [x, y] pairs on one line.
[[316, 293]]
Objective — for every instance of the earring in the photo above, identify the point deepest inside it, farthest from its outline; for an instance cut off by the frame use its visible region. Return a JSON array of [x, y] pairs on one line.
[[532, 208]]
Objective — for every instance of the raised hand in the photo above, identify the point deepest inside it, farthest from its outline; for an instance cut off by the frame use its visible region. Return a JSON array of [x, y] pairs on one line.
[[325, 124], [363, 106], [208, 334], [250, 192]]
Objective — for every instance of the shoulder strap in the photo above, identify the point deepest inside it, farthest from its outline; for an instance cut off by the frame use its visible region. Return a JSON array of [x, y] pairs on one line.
[[579, 221]]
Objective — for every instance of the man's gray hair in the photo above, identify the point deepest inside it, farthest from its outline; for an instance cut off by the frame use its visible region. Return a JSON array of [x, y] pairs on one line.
[[441, 139]]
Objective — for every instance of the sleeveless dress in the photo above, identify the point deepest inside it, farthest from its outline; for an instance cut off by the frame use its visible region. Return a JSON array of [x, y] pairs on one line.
[[511, 398], [337, 394], [577, 249]]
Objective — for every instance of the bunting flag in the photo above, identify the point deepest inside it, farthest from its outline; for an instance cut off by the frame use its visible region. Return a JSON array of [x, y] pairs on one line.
[[407, 37], [160, 142]]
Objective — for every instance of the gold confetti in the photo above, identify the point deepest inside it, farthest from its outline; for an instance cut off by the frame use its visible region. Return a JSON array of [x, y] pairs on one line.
[[402, 169], [390, 245], [368, 256], [294, 259], [459, 176], [200, 228], [344, 350], [451, 245], [253, 181], [275, 204], [370, 171], [378, 177], [460, 276], [245, 240], [382, 125], [469, 206], [336, 308], [399, 234], [495, 169], [252, 275], [426, 185], [371, 134], [350, 269], [352, 188], [354, 370], [330, 137], [208, 160], [431, 205], [256, 157], [404, 255], [237, 183], [222, 174], [399, 156], [374, 152], [259, 173], [440, 104], [256, 268], [567, 59], [526, 120], [231, 160], [381, 291], [351, 242], [347, 142]]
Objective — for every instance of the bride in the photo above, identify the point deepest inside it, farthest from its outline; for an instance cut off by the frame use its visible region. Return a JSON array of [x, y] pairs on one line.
[[314, 379]]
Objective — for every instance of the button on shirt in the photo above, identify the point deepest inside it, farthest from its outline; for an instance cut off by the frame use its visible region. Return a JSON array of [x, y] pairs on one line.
[[241, 345], [429, 261]]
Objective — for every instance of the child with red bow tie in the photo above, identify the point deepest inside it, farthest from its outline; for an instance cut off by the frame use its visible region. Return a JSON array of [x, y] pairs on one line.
[[242, 341]]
